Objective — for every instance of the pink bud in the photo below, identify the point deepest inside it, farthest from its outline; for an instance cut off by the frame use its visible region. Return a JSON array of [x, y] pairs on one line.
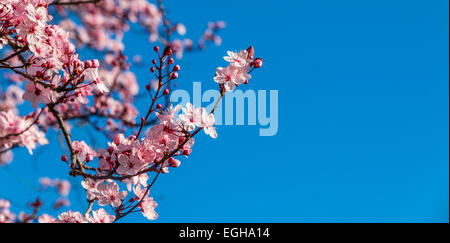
[[152, 69], [159, 106], [87, 64], [156, 48], [174, 162], [95, 63], [147, 87], [142, 119], [166, 92], [118, 138], [174, 75], [176, 68], [220, 24], [167, 51], [154, 62], [71, 49], [64, 158], [258, 62], [170, 61], [186, 152]]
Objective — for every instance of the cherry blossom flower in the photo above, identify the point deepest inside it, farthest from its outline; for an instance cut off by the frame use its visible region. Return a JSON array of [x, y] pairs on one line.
[[41, 55], [147, 205], [109, 194], [232, 76], [71, 217], [63, 187], [36, 93], [101, 216], [90, 185], [207, 122], [238, 59], [6, 158], [84, 151], [61, 202], [45, 218], [26, 134], [188, 118], [6, 216]]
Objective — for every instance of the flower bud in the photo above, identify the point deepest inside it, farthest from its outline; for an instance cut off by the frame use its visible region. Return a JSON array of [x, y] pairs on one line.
[[159, 106], [166, 92], [147, 87], [118, 138], [258, 62], [154, 62], [167, 51], [64, 158], [156, 48], [176, 68], [70, 49], [170, 61], [152, 69], [87, 64], [174, 75], [95, 63], [174, 162]]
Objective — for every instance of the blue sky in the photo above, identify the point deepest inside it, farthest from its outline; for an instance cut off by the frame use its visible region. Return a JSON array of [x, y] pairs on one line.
[[363, 117]]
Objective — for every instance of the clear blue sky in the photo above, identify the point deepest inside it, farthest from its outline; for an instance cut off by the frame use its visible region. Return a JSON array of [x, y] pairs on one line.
[[363, 117]]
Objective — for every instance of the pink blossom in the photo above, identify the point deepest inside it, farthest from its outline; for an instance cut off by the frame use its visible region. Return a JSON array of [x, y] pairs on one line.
[[84, 151], [6, 216], [28, 135], [36, 93], [90, 185], [237, 59], [101, 216], [71, 217], [199, 117], [46, 182], [6, 158], [63, 187], [109, 194], [137, 180], [45, 218], [61, 202], [148, 205], [232, 76]]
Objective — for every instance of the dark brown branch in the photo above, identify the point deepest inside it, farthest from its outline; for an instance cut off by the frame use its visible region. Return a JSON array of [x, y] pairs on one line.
[[73, 156]]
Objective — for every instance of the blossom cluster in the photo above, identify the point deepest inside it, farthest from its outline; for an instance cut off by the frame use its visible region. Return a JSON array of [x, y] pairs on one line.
[[104, 24], [52, 64], [6, 216], [19, 131], [238, 72], [98, 216], [63, 186], [37, 51]]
